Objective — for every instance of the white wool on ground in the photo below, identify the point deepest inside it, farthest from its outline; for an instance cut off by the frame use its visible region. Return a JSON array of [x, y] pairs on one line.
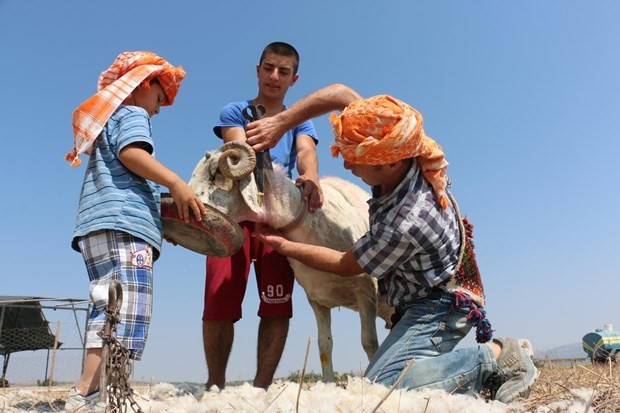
[[577, 404], [17, 400], [360, 396]]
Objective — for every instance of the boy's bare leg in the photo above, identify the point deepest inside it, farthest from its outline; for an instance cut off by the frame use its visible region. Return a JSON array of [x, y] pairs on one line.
[[217, 338], [272, 333], [89, 380]]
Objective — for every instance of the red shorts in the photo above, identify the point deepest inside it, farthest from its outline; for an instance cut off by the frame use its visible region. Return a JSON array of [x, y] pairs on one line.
[[227, 279]]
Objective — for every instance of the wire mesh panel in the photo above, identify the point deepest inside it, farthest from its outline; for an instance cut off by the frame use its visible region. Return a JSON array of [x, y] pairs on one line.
[[41, 339]]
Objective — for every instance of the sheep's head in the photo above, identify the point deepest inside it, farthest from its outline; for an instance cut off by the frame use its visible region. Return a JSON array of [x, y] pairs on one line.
[[217, 179], [223, 179]]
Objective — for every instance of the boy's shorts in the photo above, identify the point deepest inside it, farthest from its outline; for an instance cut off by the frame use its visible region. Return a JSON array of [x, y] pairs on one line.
[[114, 255], [227, 279]]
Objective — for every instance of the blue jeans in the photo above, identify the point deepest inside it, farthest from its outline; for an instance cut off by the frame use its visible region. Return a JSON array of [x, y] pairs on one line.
[[428, 331]]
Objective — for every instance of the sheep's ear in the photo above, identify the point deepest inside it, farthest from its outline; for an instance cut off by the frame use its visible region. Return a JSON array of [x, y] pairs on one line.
[[249, 193]]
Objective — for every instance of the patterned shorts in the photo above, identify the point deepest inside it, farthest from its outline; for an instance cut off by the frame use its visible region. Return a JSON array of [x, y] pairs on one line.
[[115, 255]]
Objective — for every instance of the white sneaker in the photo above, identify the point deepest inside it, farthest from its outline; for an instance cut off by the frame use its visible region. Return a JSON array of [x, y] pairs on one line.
[[76, 403], [516, 371]]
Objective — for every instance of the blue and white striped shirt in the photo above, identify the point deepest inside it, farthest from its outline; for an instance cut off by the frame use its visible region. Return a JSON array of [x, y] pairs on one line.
[[413, 243], [112, 196]]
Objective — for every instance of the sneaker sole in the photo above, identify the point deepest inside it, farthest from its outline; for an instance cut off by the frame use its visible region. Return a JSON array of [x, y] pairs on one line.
[[530, 378]]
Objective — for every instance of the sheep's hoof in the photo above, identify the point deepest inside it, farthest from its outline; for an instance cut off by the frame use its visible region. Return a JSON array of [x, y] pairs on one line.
[[215, 234]]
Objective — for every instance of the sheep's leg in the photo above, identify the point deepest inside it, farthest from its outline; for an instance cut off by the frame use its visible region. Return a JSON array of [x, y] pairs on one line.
[[368, 314], [324, 326]]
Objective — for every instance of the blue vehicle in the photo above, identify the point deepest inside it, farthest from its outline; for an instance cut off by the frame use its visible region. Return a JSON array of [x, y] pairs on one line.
[[602, 345]]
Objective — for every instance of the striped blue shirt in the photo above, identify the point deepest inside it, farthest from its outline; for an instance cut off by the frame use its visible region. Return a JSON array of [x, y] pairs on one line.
[[113, 197]]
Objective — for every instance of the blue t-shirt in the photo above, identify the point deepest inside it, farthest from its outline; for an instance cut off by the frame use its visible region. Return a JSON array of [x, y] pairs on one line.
[[285, 152], [112, 196]]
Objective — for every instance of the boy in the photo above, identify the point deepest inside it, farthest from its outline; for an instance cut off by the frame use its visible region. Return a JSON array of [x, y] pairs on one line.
[[118, 228], [226, 278]]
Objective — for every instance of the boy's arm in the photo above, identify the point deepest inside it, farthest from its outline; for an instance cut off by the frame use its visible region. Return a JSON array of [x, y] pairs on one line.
[[308, 169], [140, 162], [232, 133], [265, 133]]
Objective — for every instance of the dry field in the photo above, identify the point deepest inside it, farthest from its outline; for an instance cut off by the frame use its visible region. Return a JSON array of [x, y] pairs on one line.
[[595, 386]]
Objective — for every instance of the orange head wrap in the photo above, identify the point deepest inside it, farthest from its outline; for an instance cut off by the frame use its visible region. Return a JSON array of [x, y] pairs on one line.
[[129, 70], [382, 130]]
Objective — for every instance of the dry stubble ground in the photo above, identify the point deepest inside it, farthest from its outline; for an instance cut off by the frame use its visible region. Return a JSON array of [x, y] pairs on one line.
[[558, 384]]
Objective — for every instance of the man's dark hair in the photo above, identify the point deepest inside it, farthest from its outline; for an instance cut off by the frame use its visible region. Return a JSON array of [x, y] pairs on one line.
[[282, 49]]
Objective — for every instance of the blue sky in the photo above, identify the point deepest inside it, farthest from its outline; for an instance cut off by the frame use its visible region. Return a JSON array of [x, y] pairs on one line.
[[523, 96]]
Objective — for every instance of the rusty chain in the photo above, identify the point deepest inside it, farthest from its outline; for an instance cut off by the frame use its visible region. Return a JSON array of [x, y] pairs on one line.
[[116, 367]]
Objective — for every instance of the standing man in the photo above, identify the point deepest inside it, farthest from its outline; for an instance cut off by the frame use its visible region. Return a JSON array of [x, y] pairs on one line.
[[417, 244], [226, 278]]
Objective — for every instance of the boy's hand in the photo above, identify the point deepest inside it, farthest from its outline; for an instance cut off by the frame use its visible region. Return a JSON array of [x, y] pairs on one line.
[[186, 201], [311, 191]]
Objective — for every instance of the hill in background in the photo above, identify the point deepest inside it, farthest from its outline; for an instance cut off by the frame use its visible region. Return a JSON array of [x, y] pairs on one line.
[[567, 351]]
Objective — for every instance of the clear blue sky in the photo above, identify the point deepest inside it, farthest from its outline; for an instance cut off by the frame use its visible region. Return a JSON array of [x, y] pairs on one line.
[[523, 96]]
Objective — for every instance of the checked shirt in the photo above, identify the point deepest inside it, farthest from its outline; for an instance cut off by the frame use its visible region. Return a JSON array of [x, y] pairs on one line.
[[412, 243]]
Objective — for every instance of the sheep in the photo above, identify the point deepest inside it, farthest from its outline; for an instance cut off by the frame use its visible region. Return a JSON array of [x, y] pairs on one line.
[[223, 179]]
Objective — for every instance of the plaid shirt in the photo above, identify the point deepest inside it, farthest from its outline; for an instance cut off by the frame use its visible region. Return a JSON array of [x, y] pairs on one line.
[[413, 243]]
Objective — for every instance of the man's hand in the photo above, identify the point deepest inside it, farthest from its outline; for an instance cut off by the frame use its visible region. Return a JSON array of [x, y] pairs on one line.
[[264, 133], [186, 200], [311, 191], [315, 256], [270, 236]]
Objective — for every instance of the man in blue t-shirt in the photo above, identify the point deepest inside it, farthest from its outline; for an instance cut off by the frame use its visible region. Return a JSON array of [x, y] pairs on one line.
[[226, 278]]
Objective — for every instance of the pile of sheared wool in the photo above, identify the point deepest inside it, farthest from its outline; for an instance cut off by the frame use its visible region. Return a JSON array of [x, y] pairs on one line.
[[360, 396]]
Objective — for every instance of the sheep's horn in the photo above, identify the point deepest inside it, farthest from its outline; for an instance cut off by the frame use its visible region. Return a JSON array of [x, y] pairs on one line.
[[237, 161]]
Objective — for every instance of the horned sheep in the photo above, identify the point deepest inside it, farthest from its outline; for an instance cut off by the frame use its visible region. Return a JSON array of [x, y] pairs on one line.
[[223, 179]]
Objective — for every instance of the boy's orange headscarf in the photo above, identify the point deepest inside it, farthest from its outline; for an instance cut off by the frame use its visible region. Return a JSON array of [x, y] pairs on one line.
[[129, 70], [381, 130]]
